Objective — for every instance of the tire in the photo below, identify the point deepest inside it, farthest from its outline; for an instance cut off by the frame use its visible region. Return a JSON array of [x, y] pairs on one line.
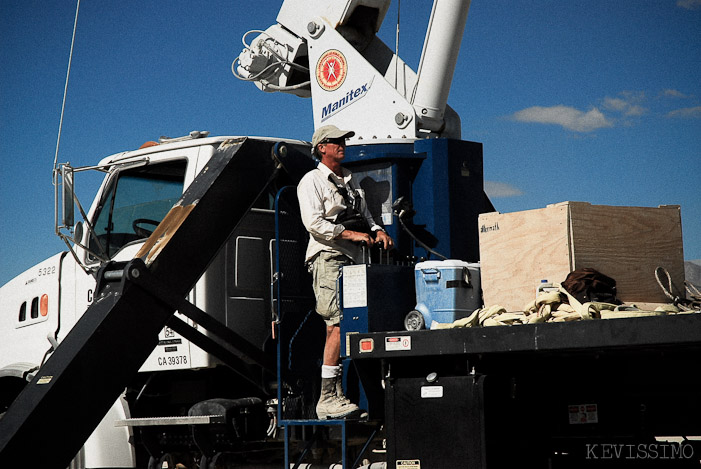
[[414, 321]]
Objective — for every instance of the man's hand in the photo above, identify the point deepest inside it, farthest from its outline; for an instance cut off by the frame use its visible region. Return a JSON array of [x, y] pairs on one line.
[[384, 239], [356, 236]]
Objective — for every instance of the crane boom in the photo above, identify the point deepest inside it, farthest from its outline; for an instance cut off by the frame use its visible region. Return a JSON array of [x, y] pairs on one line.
[[331, 53]]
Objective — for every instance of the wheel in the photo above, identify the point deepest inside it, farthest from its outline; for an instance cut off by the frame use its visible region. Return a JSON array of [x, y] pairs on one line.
[[414, 321], [143, 232]]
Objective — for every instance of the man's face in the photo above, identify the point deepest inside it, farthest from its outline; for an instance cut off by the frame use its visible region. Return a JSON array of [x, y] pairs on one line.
[[334, 149]]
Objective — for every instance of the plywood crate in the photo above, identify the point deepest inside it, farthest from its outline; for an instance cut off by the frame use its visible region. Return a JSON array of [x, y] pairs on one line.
[[518, 250]]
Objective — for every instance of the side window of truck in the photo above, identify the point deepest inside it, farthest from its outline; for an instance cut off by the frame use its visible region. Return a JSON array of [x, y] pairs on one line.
[[135, 203]]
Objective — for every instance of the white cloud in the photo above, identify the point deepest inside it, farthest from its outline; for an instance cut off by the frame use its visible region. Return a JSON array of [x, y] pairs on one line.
[[566, 116], [674, 93], [616, 104], [627, 105], [635, 110], [687, 112], [689, 4], [496, 190]]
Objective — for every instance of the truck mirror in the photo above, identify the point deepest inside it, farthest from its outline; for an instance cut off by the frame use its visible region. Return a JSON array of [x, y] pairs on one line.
[[78, 232], [67, 197]]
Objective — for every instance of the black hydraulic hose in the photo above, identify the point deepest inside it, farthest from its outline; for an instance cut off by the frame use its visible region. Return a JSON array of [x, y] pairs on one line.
[[418, 241]]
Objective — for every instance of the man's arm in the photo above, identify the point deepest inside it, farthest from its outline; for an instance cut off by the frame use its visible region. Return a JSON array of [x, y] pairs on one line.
[[356, 236], [381, 237]]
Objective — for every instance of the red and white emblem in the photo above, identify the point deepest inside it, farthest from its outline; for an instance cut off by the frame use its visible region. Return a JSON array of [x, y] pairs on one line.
[[331, 70]]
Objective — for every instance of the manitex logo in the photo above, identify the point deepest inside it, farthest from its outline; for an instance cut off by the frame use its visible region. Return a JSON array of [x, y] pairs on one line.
[[352, 96]]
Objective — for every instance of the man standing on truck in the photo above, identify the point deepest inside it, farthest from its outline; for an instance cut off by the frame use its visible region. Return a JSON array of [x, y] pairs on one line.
[[335, 213]]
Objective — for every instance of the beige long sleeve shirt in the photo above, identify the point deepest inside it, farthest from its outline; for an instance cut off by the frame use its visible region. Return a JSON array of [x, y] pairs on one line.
[[320, 205]]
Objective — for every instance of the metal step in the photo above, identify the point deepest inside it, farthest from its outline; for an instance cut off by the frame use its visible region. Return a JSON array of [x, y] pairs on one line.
[[162, 421]]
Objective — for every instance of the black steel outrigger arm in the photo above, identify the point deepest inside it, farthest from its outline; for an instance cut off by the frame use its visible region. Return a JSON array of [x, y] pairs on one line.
[[56, 413]]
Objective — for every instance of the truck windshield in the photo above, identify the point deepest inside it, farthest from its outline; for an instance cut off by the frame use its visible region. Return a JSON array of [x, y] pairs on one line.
[[135, 203]]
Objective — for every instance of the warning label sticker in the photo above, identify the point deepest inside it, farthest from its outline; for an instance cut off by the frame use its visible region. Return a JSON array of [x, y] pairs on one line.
[[355, 293], [583, 413], [408, 464], [397, 343], [431, 392]]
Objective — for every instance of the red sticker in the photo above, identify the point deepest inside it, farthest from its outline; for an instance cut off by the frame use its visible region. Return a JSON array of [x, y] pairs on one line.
[[331, 70]]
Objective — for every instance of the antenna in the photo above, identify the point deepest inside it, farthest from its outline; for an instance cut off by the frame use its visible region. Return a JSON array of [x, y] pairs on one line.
[[65, 88]]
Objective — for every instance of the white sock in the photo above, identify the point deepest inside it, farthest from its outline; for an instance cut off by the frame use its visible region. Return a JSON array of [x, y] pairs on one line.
[[329, 371]]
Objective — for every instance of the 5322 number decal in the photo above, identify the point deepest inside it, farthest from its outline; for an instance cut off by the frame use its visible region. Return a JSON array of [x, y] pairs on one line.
[[43, 271]]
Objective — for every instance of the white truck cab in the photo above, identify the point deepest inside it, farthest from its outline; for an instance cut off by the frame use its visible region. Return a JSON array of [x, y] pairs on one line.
[[40, 306]]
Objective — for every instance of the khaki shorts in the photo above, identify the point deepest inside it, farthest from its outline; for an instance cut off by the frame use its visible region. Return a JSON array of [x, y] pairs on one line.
[[326, 268]]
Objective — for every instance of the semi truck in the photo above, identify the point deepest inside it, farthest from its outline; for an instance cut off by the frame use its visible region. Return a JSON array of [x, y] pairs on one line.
[[178, 329]]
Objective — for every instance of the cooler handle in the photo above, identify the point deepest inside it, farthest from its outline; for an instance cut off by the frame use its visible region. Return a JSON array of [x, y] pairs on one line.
[[431, 275]]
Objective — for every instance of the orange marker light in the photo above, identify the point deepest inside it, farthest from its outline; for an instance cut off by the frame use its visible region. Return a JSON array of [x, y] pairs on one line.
[[44, 305], [367, 345]]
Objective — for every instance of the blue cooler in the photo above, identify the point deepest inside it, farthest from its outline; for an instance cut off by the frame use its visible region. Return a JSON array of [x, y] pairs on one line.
[[445, 291]]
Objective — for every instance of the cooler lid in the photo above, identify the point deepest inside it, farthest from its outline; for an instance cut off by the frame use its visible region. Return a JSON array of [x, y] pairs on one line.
[[443, 264]]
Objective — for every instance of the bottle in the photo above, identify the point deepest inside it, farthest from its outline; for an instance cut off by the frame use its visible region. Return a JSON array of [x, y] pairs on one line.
[[545, 287]]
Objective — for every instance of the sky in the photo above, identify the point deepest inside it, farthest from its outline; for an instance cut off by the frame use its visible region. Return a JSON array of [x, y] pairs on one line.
[[583, 100]]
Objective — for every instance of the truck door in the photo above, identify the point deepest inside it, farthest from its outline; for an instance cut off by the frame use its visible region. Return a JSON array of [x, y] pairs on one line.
[[132, 204]]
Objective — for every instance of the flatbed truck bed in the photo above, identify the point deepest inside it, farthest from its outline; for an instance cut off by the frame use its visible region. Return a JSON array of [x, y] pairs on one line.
[[592, 336], [623, 392]]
